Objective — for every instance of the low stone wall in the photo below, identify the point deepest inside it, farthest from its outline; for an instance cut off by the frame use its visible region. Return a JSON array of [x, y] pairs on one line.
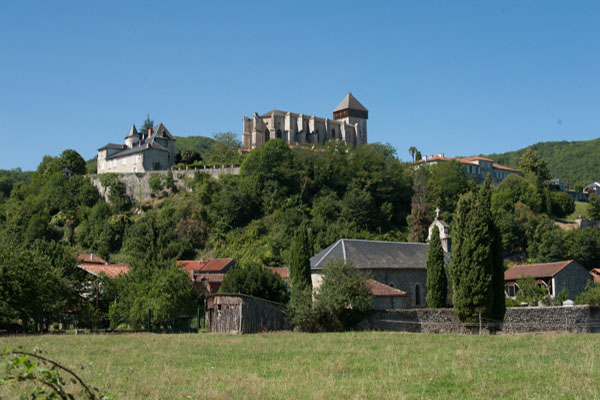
[[517, 320], [137, 185]]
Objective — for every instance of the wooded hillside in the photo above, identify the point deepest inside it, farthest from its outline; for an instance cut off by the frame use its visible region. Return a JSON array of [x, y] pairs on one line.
[[578, 160]]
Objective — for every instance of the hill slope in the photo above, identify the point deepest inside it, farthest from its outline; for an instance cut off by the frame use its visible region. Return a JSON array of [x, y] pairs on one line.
[[579, 161], [201, 144]]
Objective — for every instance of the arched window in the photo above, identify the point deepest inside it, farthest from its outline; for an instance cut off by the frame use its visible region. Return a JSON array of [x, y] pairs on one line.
[[417, 294], [278, 134], [333, 133]]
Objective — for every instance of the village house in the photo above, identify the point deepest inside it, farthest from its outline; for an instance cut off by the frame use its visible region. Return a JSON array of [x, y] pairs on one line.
[[96, 266], [143, 151], [349, 124], [392, 265], [592, 188], [476, 167], [553, 277], [208, 274]]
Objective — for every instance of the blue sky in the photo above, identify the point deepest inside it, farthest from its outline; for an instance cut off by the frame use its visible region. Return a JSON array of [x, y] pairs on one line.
[[459, 77]]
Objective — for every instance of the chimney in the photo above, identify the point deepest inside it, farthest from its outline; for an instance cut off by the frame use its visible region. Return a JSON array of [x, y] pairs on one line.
[[149, 132], [91, 256]]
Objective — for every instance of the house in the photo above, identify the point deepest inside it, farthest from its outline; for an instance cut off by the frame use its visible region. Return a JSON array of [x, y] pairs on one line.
[[96, 266], [398, 265], [142, 151], [349, 124], [558, 185], [476, 167], [553, 277], [592, 188], [595, 272], [208, 274]]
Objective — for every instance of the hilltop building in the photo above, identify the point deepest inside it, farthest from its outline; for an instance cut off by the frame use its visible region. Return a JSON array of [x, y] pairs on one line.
[[476, 167], [349, 124], [142, 151]]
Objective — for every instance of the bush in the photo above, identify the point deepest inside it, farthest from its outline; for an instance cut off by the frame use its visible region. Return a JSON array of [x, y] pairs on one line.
[[590, 296], [256, 281], [562, 204], [530, 292], [341, 301]]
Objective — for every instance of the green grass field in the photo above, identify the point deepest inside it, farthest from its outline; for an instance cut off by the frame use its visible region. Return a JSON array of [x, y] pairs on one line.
[[362, 365], [581, 209]]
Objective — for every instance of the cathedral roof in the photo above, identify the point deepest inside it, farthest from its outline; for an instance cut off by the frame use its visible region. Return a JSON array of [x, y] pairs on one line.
[[351, 103]]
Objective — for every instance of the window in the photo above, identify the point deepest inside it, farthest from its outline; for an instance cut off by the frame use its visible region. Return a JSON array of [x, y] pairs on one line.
[[417, 294], [511, 289], [124, 161], [102, 167]]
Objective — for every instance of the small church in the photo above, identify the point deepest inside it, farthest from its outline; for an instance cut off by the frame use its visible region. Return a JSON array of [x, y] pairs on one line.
[[349, 124]]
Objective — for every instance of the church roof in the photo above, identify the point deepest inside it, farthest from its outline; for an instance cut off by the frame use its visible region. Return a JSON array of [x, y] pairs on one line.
[[373, 254], [351, 103]]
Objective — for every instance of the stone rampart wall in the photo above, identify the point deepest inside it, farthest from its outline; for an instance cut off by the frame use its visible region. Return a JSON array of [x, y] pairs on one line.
[[137, 185], [517, 320]]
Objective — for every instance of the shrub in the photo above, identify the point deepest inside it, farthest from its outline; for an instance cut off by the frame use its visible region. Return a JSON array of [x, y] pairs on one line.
[[254, 280], [341, 301], [530, 292], [590, 296]]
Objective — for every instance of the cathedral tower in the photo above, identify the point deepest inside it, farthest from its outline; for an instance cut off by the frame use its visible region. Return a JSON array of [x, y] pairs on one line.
[[353, 113]]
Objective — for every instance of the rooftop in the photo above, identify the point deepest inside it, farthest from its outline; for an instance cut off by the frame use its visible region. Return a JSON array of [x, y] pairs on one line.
[[373, 254], [351, 103], [381, 289], [545, 270], [90, 258], [110, 270], [208, 265]]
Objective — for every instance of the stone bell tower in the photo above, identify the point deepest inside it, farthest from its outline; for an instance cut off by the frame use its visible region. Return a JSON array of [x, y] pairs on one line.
[[353, 113]]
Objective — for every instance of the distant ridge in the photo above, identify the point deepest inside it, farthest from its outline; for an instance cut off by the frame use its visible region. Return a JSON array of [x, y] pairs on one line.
[[578, 160]]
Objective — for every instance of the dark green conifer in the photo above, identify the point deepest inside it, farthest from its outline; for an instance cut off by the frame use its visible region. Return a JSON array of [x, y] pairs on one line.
[[300, 253], [476, 267], [437, 289]]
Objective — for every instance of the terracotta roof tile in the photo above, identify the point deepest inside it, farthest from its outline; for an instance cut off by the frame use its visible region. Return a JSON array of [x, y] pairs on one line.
[[90, 258], [209, 278], [546, 270], [110, 270], [283, 272], [502, 167], [380, 289], [208, 265]]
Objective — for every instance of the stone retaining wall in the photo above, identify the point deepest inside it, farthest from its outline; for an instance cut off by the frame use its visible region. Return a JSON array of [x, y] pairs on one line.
[[137, 185], [517, 320]]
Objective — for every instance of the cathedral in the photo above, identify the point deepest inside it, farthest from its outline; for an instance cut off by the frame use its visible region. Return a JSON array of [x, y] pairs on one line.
[[349, 124]]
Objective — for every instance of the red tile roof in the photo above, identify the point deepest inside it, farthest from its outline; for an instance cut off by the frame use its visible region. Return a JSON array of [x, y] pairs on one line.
[[546, 270], [208, 265], [90, 258], [110, 270], [476, 158], [380, 289], [502, 167], [595, 272], [283, 272]]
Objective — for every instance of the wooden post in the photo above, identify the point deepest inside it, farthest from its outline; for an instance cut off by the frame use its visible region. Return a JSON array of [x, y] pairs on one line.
[[480, 322], [149, 324]]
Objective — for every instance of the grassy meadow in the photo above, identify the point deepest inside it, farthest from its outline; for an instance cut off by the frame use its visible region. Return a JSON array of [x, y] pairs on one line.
[[355, 365]]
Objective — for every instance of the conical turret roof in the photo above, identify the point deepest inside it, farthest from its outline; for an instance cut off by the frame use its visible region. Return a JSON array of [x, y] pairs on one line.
[[350, 103], [132, 132]]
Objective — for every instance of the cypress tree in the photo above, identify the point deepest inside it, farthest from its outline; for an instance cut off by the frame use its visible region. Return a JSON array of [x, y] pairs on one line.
[[300, 258], [477, 267], [437, 290]]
